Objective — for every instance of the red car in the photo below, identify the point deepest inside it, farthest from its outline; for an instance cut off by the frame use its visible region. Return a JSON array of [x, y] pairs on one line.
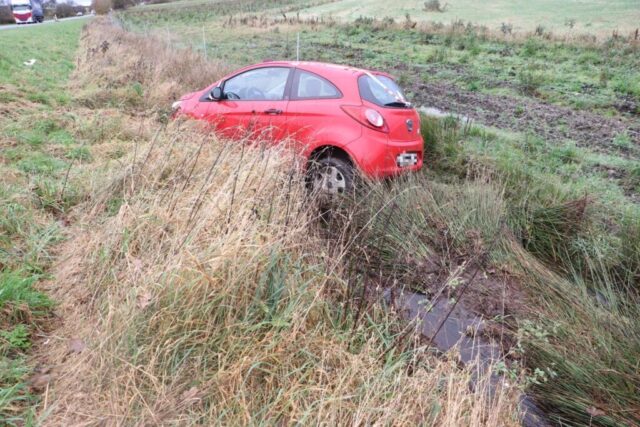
[[339, 117]]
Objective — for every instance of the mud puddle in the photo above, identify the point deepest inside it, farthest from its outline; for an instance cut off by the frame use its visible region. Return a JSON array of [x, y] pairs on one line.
[[449, 326]]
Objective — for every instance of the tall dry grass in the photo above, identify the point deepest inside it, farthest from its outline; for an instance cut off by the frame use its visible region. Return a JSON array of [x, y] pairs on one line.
[[195, 288], [214, 302], [137, 73], [102, 7]]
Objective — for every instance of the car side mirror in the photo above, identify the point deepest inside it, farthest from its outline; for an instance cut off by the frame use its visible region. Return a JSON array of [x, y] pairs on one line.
[[216, 93]]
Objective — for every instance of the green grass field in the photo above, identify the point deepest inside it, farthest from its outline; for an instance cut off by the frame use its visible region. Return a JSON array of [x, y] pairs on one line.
[[524, 15], [600, 17], [36, 152]]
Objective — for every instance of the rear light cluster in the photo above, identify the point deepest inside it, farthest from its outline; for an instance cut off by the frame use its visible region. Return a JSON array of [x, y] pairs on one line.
[[367, 116]]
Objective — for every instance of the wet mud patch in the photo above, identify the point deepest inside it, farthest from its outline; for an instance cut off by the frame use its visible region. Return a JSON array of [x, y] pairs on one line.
[[459, 295], [489, 294], [627, 105], [477, 320]]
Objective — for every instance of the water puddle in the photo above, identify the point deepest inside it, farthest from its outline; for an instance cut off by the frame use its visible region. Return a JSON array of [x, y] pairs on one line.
[[460, 330], [440, 114]]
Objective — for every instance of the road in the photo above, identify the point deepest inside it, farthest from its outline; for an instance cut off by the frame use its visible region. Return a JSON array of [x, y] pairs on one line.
[[47, 21]]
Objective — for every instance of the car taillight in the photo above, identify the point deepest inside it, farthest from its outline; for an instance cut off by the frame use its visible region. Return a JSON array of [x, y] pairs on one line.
[[367, 116], [374, 117]]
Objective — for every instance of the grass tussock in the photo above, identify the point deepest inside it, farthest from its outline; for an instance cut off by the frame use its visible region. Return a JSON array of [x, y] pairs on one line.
[[574, 254], [575, 331], [216, 304], [137, 73]]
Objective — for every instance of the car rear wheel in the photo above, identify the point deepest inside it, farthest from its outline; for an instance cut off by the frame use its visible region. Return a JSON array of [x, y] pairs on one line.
[[330, 177]]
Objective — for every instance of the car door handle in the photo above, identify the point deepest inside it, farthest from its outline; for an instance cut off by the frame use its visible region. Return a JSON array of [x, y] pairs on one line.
[[273, 111]]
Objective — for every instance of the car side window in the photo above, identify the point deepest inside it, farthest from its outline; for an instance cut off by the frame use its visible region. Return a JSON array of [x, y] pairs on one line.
[[261, 84], [312, 86]]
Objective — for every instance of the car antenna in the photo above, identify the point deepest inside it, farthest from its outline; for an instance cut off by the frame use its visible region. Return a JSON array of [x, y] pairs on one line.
[[298, 48]]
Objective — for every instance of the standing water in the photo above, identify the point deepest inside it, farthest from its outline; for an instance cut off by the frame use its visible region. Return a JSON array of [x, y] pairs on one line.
[[473, 349]]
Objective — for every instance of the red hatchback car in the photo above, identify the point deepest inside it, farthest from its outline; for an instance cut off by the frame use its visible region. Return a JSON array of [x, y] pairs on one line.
[[339, 117]]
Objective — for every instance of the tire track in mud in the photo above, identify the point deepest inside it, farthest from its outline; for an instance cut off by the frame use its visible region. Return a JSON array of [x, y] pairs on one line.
[[551, 122]]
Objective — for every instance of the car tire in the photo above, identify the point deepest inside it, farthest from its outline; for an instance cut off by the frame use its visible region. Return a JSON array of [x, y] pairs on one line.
[[330, 177]]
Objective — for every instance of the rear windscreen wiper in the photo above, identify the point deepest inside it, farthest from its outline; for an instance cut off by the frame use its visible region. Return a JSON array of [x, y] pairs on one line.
[[398, 104]]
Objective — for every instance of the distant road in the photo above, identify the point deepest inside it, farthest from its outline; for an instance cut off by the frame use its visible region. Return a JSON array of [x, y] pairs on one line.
[[47, 21]]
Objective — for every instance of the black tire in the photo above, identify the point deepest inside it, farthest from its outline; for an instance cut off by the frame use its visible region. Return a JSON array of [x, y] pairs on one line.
[[330, 176]]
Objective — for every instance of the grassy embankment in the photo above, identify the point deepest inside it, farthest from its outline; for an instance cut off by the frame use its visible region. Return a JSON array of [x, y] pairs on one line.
[[190, 288], [573, 229], [183, 326]]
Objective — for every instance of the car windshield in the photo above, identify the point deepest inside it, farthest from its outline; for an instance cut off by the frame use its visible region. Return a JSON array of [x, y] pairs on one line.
[[21, 8], [381, 90]]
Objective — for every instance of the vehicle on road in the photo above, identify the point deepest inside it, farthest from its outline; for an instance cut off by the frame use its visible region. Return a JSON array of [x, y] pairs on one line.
[[27, 11], [342, 119]]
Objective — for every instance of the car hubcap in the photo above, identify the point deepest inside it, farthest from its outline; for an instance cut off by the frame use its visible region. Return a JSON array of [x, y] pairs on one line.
[[329, 180]]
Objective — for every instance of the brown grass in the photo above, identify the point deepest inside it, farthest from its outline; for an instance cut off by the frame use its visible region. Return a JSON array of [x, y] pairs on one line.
[[138, 73], [102, 7], [195, 278], [206, 299]]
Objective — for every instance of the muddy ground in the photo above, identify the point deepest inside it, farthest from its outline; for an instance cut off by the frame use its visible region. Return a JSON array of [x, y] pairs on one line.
[[528, 113], [463, 287], [551, 122]]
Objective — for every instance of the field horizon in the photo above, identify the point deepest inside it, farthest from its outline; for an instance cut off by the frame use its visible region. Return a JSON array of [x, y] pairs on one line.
[[578, 16]]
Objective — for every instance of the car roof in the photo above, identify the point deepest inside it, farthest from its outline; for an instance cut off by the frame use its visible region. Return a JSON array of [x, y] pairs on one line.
[[323, 68], [339, 75]]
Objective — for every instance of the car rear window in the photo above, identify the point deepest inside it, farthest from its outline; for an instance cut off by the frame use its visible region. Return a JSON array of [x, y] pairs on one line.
[[309, 86], [382, 91]]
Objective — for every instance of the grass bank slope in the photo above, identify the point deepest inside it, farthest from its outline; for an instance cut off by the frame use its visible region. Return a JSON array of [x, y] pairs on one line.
[[552, 204], [197, 292]]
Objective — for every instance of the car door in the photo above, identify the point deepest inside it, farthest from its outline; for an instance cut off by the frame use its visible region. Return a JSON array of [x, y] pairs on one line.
[[231, 118], [253, 104], [314, 112]]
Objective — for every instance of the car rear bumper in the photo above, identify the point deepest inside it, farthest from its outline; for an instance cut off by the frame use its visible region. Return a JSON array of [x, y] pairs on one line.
[[377, 157]]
